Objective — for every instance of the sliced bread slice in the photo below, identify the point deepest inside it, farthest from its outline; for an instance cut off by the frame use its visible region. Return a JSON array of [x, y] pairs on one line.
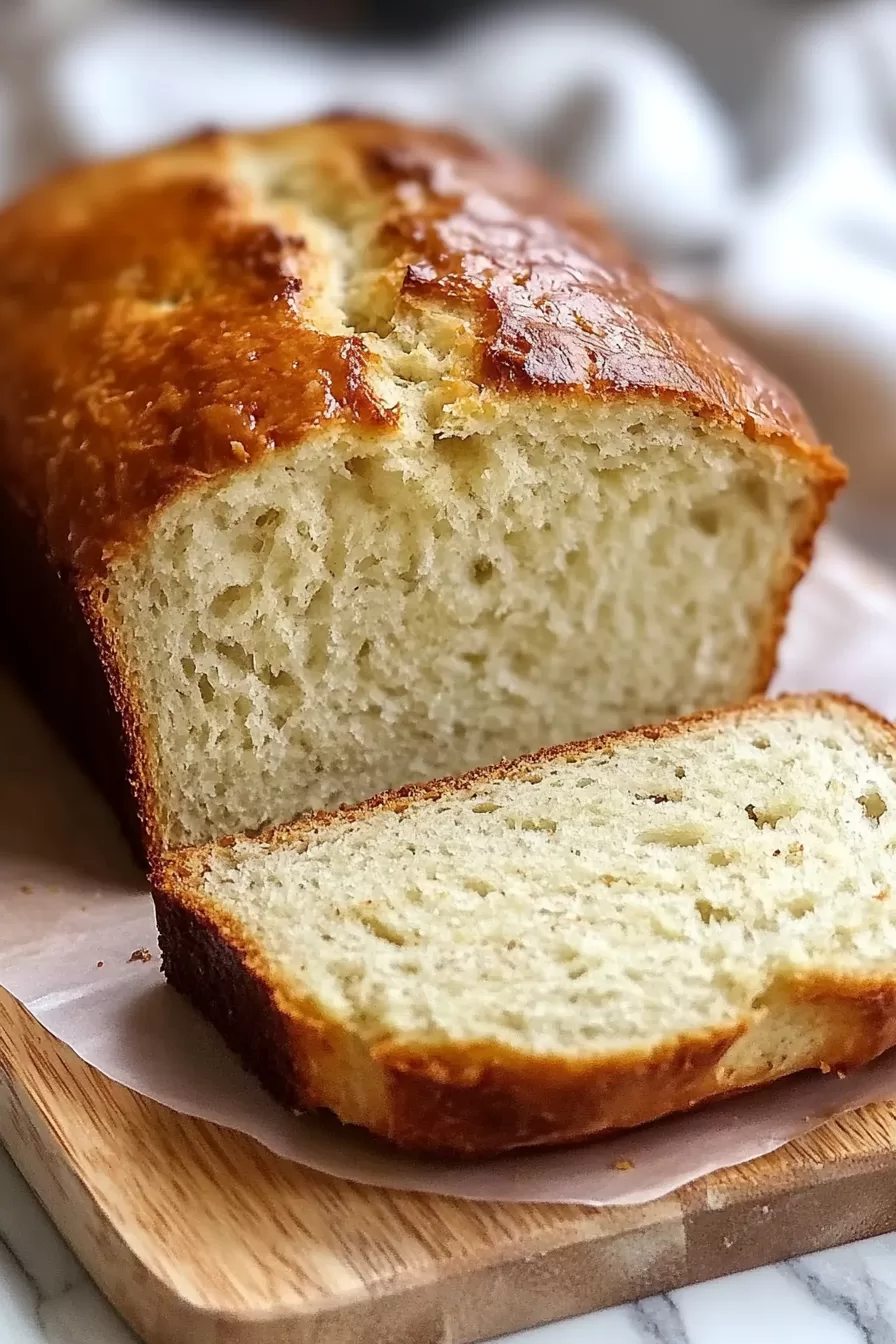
[[577, 941]]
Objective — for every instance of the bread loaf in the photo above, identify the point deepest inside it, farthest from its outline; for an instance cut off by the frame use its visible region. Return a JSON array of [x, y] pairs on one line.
[[350, 454], [578, 941]]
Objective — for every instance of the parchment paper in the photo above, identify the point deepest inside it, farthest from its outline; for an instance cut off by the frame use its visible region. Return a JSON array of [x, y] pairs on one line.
[[74, 910]]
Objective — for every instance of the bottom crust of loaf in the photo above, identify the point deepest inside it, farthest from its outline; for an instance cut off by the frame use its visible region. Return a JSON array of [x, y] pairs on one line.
[[481, 1101]]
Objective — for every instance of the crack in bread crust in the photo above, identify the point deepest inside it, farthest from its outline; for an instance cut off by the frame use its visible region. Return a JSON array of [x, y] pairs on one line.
[[131, 292]]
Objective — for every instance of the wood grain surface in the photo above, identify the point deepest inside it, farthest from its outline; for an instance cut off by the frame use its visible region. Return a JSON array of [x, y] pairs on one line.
[[200, 1236]]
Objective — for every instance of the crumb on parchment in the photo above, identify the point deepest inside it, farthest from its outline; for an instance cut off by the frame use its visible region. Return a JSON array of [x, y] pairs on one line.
[[140, 954], [98, 965], [623, 1164]]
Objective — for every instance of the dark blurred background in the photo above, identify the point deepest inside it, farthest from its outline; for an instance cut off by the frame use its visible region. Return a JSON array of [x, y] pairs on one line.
[[725, 38]]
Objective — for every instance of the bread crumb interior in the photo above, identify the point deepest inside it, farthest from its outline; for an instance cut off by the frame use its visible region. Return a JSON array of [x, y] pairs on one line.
[[588, 906]]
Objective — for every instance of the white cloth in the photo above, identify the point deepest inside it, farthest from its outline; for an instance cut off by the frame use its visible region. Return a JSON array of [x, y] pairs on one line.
[[808, 272], [622, 113], [799, 256]]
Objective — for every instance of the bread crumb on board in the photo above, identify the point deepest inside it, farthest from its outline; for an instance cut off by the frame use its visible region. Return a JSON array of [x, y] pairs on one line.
[[140, 954], [623, 1164]]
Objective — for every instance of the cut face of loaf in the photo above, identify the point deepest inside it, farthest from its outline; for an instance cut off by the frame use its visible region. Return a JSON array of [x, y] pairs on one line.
[[326, 626], [579, 941], [365, 456]]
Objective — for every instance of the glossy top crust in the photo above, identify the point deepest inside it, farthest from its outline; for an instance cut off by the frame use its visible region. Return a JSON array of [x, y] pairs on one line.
[[178, 315]]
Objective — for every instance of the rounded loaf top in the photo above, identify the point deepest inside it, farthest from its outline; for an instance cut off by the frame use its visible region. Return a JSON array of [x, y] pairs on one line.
[[180, 314]]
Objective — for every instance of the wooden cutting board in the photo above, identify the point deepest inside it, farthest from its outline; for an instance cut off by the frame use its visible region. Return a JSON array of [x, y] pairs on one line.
[[200, 1236]]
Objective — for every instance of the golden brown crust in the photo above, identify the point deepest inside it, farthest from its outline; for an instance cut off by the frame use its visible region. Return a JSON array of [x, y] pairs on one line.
[[151, 337], [486, 1098], [157, 330], [452, 1102]]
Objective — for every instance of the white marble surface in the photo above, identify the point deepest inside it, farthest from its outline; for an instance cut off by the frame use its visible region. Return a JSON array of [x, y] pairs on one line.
[[846, 1296]]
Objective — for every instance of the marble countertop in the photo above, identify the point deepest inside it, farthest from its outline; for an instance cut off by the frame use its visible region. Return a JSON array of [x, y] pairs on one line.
[[845, 1296]]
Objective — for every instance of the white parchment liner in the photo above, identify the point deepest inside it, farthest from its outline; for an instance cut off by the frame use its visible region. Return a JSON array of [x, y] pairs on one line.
[[73, 910]]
